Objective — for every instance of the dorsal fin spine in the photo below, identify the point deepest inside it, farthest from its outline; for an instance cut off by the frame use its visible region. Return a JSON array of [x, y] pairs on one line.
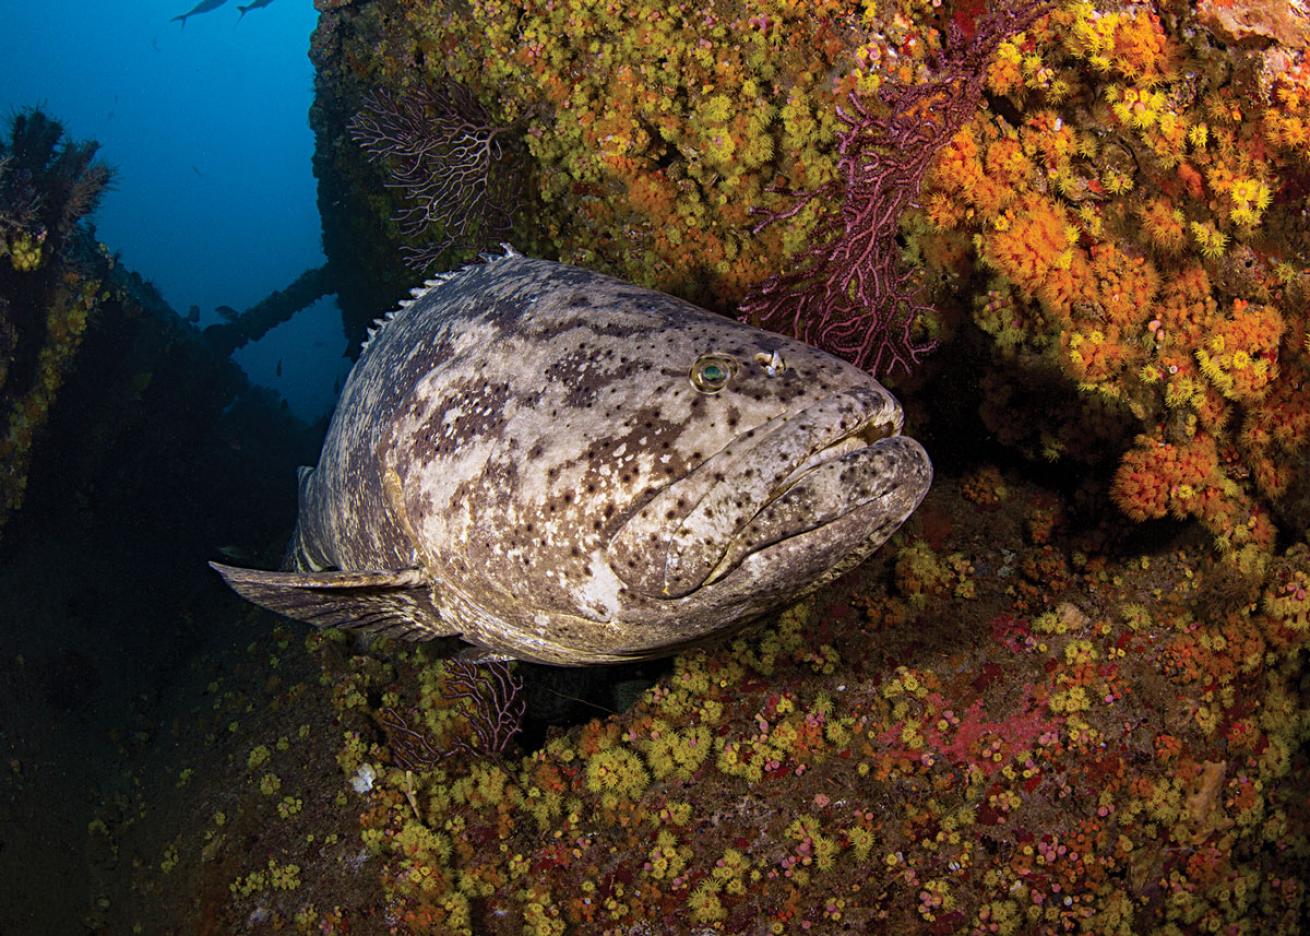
[[435, 282]]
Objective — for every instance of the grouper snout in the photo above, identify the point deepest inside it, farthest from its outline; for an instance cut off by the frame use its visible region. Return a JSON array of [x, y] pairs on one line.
[[796, 473]]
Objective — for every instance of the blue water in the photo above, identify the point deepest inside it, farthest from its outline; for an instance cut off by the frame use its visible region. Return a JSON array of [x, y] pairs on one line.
[[207, 127]]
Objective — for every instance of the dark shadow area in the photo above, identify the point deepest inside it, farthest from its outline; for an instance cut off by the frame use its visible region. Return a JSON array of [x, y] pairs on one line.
[[560, 698], [134, 453]]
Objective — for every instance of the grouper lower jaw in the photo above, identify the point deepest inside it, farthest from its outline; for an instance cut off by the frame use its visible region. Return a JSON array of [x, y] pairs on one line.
[[892, 474], [678, 540], [800, 562]]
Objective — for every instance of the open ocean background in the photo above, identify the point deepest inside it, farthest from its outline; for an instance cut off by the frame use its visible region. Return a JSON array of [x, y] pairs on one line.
[[207, 127]]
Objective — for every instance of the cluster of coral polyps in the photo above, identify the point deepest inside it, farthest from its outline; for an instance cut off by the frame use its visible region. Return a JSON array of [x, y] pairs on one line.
[[655, 127], [72, 301], [48, 183], [998, 730], [1131, 205], [1124, 213]]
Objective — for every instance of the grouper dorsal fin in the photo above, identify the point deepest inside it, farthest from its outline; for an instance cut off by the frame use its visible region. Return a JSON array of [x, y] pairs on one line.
[[391, 603]]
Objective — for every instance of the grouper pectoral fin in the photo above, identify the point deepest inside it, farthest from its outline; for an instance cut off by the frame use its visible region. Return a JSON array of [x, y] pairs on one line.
[[391, 603]]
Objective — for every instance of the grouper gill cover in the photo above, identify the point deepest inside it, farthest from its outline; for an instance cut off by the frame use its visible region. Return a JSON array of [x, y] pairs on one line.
[[561, 467]]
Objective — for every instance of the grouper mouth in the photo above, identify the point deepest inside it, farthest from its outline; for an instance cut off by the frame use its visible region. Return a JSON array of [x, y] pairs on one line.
[[796, 473]]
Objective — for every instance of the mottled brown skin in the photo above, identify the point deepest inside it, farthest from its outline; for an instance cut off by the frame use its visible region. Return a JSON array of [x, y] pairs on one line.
[[523, 457]]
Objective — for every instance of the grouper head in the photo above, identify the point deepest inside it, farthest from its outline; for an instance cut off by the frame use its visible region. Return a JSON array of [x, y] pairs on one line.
[[829, 467], [784, 467]]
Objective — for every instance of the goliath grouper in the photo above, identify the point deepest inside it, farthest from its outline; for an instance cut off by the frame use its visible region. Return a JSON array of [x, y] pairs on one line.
[[561, 467]]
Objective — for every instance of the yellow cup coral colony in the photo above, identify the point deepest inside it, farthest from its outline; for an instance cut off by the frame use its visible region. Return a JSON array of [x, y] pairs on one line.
[[1128, 196], [73, 302], [1004, 775], [656, 127], [48, 183], [1132, 197], [968, 748]]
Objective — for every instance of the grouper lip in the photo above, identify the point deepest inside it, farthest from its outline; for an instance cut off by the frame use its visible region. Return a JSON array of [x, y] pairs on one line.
[[679, 539]]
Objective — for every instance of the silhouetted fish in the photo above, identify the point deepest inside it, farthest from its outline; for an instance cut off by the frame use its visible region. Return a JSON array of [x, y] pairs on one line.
[[204, 6], [193, 314], [236, 553], [228, 313], [558, 466], [279, 367], [257, 5]]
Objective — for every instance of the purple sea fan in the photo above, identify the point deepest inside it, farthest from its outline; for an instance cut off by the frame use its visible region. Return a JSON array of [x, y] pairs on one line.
[[451, 160], [496, 702], [849, 292], [495, 710]]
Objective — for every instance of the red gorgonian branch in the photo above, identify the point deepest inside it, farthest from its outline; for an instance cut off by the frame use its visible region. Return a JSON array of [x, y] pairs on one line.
[[850, 293]]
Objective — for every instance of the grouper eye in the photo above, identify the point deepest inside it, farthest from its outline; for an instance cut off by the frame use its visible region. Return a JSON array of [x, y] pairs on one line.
[[711, 372]]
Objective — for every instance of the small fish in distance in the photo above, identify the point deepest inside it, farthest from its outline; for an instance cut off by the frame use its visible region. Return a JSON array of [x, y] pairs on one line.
[[257, 5], [205, 6]]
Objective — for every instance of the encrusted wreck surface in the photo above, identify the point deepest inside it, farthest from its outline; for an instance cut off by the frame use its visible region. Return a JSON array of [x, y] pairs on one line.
[[1068, 697]]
